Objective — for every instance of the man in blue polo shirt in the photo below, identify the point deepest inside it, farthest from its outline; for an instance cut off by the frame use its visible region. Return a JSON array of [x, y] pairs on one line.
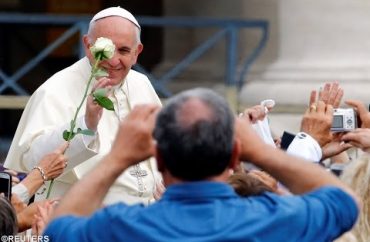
[[198, 141]]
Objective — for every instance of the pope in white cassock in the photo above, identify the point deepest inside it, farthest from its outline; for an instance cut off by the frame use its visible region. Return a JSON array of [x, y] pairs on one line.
[[52, 106]]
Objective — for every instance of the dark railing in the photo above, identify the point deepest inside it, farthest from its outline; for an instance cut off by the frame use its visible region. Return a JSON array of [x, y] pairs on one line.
[[228, 28]]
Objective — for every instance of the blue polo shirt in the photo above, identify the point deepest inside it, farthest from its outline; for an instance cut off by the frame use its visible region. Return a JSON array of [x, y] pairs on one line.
[[211, 211]]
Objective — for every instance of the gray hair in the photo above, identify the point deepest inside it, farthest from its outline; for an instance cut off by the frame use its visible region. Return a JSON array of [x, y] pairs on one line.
[[8, 218], [201, 146]]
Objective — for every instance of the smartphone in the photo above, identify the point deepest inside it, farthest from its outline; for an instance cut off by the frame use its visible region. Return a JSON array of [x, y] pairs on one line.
[[286, 140], [6, 184]]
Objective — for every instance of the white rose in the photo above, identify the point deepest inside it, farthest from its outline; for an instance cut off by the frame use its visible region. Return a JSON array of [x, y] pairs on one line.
[[103, 48]]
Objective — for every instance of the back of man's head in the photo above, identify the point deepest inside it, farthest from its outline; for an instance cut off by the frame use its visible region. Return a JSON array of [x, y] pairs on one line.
[[195, 133], [8, 218]]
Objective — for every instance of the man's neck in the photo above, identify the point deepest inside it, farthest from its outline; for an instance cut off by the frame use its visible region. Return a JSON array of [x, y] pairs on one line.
[[169, 179]]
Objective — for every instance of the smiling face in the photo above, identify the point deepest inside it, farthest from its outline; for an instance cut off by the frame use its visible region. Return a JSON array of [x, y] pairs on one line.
[[124, 35]]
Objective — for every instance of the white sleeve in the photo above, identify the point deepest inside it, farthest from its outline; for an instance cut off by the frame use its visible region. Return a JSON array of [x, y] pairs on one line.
[[90, 141], [304, 146], [22, 192], [263, 130], [77, 151]]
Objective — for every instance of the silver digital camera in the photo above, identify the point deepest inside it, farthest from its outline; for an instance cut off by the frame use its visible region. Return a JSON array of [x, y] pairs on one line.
[[344, 119]]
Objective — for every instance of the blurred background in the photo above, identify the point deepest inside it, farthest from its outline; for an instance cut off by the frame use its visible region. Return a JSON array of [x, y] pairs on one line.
[[247, 50]]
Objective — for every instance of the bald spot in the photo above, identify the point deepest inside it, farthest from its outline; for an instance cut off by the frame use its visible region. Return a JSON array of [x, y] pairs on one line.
[[192, 111]]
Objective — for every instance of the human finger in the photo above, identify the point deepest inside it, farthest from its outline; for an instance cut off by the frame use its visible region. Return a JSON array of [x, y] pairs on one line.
[[151, 119], [15, 180], [338, 98], [11, 172], [333, 92], [337, 136], [312, 97], [253, 116], [358, 105], [321, 106], [324, 93], [312, 108], [354, 135], [62, 148], [152, 112], [346, 146], [256, 113], [34, 230], [102, 82], [355, 143], [329, 109]]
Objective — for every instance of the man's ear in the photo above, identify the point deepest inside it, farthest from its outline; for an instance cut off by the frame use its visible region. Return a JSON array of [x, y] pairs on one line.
[[160, 164], [138, 50], [87, 45], [234, 160]]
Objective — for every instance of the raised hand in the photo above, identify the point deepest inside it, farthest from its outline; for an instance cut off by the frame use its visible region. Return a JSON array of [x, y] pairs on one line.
[[94, 111], [359, 138], [317, 122], [362, 113], [335, 147], [255, 113], [42, 216], [135, 135], [251, 144], [331, 94], [54, 163], [14, 174]]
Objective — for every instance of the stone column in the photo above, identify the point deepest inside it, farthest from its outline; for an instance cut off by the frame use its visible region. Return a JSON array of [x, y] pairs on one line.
[[209, 70], [317, 41], [310, 42]]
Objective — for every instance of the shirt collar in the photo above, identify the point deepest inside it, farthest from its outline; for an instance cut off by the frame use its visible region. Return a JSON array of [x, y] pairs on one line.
[[201, 189]]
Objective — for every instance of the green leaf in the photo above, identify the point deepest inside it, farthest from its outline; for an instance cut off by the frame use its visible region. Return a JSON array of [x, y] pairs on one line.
[[88, 132], [100, 73], [105, 103], [66, 135], [100, 96], [100, 92]]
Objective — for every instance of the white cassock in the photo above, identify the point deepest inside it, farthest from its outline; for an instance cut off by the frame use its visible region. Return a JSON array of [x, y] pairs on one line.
[[49, 112]]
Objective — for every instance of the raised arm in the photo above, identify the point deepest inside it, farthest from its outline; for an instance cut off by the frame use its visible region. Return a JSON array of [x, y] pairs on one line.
[[360, 137], [296, 174], [135, 135], [51, 166]]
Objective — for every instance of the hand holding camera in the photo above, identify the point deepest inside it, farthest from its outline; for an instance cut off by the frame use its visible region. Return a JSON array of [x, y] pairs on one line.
[[344, 120], [362, 111], [359, 137]]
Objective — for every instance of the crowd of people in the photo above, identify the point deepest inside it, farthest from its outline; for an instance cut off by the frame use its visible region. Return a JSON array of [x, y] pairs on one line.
[[191, 170]]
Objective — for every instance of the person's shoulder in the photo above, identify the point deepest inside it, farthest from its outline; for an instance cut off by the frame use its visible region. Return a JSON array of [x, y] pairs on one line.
[[116, 211], [137, 76], [74, 76]]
